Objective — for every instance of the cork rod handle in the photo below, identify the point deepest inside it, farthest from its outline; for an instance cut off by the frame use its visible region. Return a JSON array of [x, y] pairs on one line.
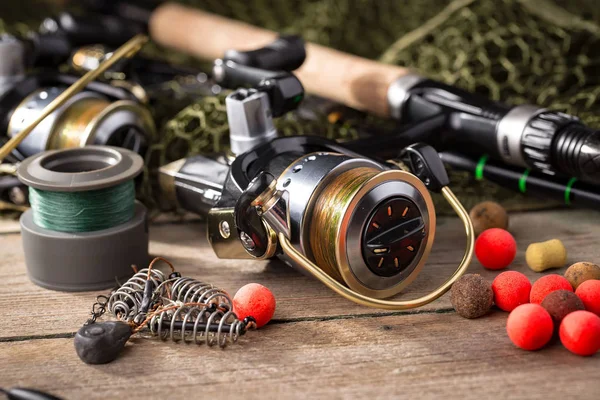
[[341, 77]]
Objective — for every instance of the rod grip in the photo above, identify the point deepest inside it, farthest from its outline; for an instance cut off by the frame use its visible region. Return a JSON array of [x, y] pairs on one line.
[[344, 78]]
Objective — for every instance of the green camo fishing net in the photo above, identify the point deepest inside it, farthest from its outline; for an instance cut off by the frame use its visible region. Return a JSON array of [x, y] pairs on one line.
[[538, 51]]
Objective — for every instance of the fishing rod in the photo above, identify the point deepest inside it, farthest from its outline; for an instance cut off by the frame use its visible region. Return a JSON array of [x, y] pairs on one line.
[[433, 114], [526, 136], [569, 191]]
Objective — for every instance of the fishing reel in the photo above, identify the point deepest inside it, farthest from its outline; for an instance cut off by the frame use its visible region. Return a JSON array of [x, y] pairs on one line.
[[364, 227], [107, 113], [342, 217], [102, 114], [361, 226]]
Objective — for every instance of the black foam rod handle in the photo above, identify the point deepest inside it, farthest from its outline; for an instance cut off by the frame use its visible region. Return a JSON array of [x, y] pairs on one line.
[[28, 394], [96, 29], [287, 53]]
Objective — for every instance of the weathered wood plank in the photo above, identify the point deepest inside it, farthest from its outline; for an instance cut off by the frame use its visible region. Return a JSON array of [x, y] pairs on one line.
[[9, 226], [411, 356], [28, 309]]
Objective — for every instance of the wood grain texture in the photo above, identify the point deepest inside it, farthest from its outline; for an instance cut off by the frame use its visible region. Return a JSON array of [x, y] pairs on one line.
[[318, 346], [9, 226], [427, 356], [27, 308]]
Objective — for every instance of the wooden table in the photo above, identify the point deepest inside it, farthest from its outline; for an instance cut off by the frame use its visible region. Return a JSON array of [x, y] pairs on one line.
[[318, 345]]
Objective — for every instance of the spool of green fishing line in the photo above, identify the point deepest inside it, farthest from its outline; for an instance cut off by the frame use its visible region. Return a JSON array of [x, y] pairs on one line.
[[84, 229], [86, 211]]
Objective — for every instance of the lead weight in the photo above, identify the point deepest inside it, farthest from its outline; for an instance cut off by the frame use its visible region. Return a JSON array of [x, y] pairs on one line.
[[101, 343]]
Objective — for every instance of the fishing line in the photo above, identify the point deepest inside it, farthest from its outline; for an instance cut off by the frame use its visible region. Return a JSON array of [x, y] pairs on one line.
[[85, 211]]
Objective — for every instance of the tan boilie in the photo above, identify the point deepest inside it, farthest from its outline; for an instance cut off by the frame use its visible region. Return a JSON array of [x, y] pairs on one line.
[[580, 272], [488, 214]]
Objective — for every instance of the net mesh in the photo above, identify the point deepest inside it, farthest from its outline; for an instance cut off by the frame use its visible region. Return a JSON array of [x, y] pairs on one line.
[[537, 51], [532, 51]]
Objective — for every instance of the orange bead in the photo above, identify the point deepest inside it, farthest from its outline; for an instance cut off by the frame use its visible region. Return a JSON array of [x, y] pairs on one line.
[[546, 285], [580, 333], [530, 326], [589, 293], [511, 289], [495, 248], [254, 300]]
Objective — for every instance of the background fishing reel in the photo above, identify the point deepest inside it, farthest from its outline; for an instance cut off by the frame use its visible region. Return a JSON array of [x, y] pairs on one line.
[[104, 113]]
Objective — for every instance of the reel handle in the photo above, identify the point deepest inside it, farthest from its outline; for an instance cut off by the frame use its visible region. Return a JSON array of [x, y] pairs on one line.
[[286, 53], [284, 89], [354, 81]]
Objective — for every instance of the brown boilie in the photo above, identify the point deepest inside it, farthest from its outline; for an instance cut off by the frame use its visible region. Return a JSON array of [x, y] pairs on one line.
[[471, 296]]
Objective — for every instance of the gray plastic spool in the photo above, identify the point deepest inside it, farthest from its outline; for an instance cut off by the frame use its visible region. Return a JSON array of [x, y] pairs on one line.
[[83, 261]]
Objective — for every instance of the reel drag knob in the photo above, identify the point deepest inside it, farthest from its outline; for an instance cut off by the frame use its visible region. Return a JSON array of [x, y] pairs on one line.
[[392, 236], [396, 229]]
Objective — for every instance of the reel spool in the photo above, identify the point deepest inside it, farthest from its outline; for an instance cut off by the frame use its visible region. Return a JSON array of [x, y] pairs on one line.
[[372, 230], [92, 230], [363, 225]]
